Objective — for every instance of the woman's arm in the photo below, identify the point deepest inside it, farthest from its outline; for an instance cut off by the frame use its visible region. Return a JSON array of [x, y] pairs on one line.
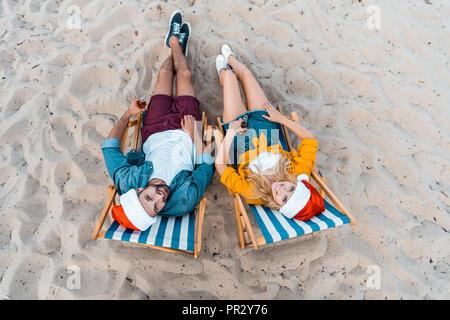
[[299, 130], [275, 116], [304, 159], [222, 154]]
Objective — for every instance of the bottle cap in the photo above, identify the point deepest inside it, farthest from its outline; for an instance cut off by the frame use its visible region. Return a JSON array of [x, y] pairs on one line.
[[141, 102]]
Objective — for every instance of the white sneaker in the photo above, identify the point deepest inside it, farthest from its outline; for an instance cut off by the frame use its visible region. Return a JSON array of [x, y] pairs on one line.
[[226, 51], [221, 63]]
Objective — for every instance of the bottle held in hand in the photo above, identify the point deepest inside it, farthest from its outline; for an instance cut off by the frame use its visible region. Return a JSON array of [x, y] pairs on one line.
[[244, 122], [141, 102]]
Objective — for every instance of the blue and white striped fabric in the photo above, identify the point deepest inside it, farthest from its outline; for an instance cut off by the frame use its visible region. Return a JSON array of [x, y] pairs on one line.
[[275, 227], [173, 232]]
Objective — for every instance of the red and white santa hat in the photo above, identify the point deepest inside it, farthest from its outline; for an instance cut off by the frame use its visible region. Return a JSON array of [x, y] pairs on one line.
[[298, 200], [130, 214]]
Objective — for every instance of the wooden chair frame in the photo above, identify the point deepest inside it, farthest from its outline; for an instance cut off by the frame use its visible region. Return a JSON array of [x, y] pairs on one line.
[[112, 192], [246, 234]]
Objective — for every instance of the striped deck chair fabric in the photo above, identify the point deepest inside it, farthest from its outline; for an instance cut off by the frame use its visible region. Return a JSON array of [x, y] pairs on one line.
[[275, 227], [169, 232]]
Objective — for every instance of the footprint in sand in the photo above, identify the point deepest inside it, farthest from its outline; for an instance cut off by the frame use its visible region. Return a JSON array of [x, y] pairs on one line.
[[64, 132], [32, 278], [8, 62], [123, 40], [18, 99], [34, 206], [95, 81]]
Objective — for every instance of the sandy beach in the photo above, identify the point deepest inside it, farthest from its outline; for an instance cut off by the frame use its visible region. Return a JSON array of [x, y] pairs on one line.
[[370, 78]]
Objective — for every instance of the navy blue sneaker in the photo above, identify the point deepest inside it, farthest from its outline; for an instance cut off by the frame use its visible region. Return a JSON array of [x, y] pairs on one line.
[[176, 19], [183, 37]]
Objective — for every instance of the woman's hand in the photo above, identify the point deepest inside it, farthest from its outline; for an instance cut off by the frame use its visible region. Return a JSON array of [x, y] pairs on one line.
[[134, 109], [274, 114], [224, 147]]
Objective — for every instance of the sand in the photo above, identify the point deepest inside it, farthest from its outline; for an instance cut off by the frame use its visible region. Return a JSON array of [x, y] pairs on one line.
[[375, 95]]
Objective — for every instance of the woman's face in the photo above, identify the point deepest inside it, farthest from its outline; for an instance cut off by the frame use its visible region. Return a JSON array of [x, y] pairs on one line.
[[282, 191]]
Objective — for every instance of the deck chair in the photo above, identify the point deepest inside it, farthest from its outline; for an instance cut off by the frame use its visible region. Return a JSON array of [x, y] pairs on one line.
[[272, 224], [170, 234]]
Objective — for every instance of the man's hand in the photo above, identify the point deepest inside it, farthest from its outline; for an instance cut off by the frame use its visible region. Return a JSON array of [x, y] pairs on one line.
[[194, 129], [188, 125], [134, 109], [119, 128]]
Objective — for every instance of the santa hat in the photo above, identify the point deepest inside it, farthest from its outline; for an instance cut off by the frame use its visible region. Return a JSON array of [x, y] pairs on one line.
[[305, 202], [130, 214]]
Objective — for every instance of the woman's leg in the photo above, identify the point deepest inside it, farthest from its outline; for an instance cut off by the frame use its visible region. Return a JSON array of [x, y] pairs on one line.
[[233, 105], [253, 92]]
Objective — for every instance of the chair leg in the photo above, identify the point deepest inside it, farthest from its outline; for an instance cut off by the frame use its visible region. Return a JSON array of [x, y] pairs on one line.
[[322, 192], [239, 224], [137, 129], [285, 131], [246, 222], [111, 195], [200, 216], [206, 130]]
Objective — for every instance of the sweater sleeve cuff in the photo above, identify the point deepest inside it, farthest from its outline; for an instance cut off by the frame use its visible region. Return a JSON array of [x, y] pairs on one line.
[[204, 158], [111, 143], [226, 174], [310, 142]]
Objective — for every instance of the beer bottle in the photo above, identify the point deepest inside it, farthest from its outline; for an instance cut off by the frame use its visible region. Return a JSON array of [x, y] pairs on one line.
[[141, 102]]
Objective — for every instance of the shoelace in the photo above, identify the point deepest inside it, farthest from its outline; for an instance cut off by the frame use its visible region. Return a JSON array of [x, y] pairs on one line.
[[176, 28], [181, 37]]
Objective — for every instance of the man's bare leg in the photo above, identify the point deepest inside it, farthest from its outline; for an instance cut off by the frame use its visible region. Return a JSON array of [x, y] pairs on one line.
[[164, 81], [184, 75]]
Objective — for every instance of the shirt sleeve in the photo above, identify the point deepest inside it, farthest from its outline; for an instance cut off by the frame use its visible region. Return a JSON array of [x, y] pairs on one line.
[[200, 180], [204, 158], [304, 159], [124, 175], [114, 157]]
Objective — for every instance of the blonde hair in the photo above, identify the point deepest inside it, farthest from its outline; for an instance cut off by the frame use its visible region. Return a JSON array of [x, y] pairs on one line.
[[263, 182]]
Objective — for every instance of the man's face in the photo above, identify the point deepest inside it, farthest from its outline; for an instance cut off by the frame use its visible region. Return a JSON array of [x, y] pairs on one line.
[[153, 197]]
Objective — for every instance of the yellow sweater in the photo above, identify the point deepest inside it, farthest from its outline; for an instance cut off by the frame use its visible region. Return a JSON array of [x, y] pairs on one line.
[[302, 163]]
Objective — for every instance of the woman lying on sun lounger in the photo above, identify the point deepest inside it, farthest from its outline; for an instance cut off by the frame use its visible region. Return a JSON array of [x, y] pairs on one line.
[[263, 172]]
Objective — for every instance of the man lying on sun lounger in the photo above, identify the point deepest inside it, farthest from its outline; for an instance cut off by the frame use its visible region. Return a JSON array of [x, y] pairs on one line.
[[172, 174]]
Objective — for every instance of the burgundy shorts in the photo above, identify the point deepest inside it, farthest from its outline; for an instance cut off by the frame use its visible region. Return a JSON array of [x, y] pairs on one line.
[[165, 113]]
